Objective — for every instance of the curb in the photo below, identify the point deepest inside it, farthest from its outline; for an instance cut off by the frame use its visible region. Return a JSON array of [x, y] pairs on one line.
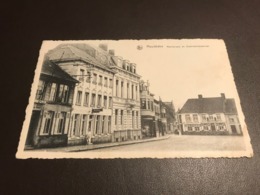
[[119, 144]]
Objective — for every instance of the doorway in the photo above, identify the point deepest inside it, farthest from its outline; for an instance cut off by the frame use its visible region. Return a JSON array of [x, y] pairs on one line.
[[33, 127]]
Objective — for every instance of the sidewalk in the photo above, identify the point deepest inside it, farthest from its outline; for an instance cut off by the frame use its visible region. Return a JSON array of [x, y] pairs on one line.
[[81, 148]]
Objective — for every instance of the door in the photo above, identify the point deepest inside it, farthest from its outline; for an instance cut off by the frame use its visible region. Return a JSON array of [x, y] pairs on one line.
[[213, 128], [33, 127], [233, 128]]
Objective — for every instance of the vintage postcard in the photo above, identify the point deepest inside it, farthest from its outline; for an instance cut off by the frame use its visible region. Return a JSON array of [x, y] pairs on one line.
[[134, 99]]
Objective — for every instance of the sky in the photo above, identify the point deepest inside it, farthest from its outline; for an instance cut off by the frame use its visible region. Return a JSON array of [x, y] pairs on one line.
[[177, 69]]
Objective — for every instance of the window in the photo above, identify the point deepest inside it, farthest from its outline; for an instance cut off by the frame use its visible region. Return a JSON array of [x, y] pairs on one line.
[[109, 124], [122, 89], [189, 128], [93, 100], [63, 95], [127, 91], [197, 128], [122, 117], [48, 122], [83, 124], [206, 128], [152, 106], [116, 116], [90, 123], [136, 92], [53, 91], [97, 124], [127, 67], [143, 103], [132, 91], [218, 117], [187, 118], [137, 124], [123, 66], [100, 82], [195, 118], [148, 104], [110, 102], [105, 84], [79, 97], [75, 124], [61, 122], [110, 83], [210, 117], [117, 88], [40, 90], [94, 78], [133, 69], [133, 119], [204, 118], [86, 99], [232, 120], [81, 75], [103, 124], [88, 77], [99, 100], [105, 101], [130, 69]]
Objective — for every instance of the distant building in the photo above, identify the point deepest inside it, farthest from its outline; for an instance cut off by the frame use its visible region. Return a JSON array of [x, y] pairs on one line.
[[91, 115], [216, 115], [52, 108], [149, 123], [171, 125]]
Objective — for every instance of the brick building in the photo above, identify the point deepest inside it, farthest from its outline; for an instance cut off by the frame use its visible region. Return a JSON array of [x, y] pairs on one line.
[[52, 108]]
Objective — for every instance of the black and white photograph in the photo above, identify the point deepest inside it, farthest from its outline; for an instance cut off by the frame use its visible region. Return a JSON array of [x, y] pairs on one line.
[[134, 99]]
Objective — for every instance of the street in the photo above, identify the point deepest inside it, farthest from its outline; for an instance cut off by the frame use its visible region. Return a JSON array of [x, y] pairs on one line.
[[185, 143]]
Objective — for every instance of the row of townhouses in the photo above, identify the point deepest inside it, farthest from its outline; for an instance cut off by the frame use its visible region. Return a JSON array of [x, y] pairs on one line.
[[88, 95]]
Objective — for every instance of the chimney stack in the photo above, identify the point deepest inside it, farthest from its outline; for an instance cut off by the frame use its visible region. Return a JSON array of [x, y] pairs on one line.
[[223, 95], [200, 96], [111, 52], [103, 46]]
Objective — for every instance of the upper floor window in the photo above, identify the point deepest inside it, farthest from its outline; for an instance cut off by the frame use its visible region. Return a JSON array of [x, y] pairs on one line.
[[110, 102], [218, 117], [187, 118], [40, 90], [86, 99], [232, 120], [143, 103], [204, 118], [79, 97], [106, 82], [63, 95], [110, 83], [100, 82], [93, 100], [195, 118], [53, 91], [99, 100], [94, 78], [81, 76], [210, 117], [88, 77]]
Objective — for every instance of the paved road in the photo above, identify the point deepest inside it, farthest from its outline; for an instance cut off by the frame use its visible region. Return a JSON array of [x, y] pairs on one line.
[[185, 143]]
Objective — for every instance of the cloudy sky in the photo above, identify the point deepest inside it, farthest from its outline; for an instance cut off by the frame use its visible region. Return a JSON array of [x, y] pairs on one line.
[[178, 69]]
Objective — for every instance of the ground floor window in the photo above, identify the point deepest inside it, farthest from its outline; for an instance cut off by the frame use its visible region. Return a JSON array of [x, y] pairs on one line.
[[48, 122], [61, 122]]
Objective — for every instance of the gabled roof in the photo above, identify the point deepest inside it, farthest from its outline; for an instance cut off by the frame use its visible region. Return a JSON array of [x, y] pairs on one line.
[[209, 105], [51, 69]]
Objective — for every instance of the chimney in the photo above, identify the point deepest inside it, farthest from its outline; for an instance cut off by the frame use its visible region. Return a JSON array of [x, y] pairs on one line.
[[111, 52], [103, 46], [223, 95], [200, 96]]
